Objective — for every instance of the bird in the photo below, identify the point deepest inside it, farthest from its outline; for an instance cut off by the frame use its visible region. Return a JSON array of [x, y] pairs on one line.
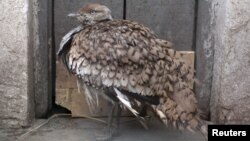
[[127, 63]]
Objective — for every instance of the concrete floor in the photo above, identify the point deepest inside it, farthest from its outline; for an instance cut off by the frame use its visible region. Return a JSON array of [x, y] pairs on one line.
[[82, 129]]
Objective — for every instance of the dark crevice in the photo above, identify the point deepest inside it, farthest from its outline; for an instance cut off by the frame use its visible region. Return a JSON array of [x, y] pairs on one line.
[[124, 9], [194, 33], [55, 108], [53, 61], [51, 58], [194, 48], [195, 24]]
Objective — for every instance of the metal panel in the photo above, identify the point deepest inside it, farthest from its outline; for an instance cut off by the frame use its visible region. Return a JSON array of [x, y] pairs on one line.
[[170, 19]]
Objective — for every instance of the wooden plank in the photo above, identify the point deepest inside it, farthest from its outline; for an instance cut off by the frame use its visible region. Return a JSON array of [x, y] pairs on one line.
[[63, 78], [172, 20], [67, 94], [76, 103]]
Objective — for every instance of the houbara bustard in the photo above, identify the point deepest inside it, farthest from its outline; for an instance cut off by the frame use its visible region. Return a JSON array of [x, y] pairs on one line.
[[126, 62]]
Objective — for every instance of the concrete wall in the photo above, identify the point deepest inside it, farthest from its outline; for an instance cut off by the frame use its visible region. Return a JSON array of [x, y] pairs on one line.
[[230, 99], [204, 52], [15, 63]]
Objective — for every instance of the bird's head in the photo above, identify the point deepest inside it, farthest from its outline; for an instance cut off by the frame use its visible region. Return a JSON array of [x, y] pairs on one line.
[[92, 13]]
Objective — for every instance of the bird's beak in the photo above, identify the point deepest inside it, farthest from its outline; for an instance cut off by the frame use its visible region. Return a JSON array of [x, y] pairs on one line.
[[73, 14]]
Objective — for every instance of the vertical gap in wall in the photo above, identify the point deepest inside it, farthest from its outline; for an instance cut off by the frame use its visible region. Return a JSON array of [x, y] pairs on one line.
[[124, 9], [53, 58], [194, 32], [31, 63], [54, 52], [195, 24], [55, 108]]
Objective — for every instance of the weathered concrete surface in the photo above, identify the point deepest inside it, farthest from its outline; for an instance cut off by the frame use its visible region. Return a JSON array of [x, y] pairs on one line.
[[204, 53], [230, 101], [16, 64], [172, 20]]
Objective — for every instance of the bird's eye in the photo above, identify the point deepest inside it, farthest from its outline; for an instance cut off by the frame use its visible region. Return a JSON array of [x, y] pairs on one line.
[[92, 11]]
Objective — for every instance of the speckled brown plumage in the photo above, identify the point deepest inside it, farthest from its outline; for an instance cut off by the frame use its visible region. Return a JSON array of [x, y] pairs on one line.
[[127, 55]]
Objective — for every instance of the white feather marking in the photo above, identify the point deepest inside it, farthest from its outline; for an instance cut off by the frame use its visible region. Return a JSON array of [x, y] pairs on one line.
[[89, 98], [78, 65], [107, 82], [117, 83], [81, 71], [85, 63], [104, 73], [74, 65], [148, 91], [160, 114], [124, 81], [139, 89], [132, 89], [70, 62], [78, 85], [96, 94], [87, 70], [88, 95], [124, 99], [95, 71]]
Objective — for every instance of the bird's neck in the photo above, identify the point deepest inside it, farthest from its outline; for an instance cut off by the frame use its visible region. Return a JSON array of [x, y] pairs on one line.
[[91, 24], [105, 20]]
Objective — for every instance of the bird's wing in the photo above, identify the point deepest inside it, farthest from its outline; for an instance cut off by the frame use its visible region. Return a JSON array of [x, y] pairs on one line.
[[66, 39], [128, 56], [65, 45]]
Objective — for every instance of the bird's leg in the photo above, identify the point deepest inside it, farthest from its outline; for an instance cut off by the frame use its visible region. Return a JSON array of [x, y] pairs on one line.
[[143, 112], [108, 133], [143, 116], [110, 119], [118, 113]]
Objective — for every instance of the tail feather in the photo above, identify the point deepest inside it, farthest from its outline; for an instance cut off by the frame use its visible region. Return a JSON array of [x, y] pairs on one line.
[[171, 113]]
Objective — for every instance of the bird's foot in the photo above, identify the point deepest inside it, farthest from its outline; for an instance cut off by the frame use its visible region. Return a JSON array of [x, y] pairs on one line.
[[104, 137], [107, 134]]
